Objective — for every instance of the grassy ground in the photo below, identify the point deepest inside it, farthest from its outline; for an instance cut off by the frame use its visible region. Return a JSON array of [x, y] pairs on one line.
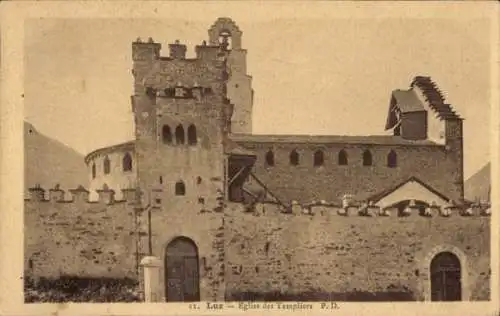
[[72, 289]]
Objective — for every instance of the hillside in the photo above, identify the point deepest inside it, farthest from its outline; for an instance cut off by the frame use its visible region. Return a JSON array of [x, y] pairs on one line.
[[48, 162], [478, 185]]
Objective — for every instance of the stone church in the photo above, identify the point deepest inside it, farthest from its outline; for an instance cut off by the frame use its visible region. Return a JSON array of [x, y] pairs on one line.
[[232, 215]]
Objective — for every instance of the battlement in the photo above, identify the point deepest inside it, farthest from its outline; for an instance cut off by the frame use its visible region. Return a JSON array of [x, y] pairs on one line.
[[80, 194], [363, 209], [151, 50]]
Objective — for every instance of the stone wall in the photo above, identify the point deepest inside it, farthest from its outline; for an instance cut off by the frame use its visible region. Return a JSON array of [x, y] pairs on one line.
[[325, 255], [257, 253], [79, 238], [432, 164]]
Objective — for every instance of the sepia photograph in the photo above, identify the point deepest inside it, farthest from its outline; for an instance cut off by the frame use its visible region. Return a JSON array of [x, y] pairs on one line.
[[265, 161]]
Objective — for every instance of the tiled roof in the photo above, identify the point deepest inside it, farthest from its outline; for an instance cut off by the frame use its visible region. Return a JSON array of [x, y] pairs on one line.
[[328, 139], [434, 97], [407, 101], [130, 145], [234, 149]]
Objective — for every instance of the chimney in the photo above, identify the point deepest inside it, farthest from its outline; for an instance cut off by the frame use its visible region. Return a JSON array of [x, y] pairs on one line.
[[177, 50]]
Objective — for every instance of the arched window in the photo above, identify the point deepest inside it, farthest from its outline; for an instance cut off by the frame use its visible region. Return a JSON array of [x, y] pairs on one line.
[[392, 160], [342, 159], [180, 188], [179, 134], [127, 162], [319, 158], [166, 134], [270, 158], [192, 138], [294, 158], [93, 171], [107, 165], [367, 158], [225, 40]]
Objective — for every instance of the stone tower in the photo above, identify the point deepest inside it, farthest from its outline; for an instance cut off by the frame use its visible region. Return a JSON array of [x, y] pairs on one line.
[[181, 116], [239, 86]]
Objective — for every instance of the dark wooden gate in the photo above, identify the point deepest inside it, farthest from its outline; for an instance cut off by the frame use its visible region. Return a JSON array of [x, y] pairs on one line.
[[182, 271], [446, 284]]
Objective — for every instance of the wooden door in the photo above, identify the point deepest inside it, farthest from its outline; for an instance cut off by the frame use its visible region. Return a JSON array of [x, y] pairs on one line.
[[182, 271], [446, 284]]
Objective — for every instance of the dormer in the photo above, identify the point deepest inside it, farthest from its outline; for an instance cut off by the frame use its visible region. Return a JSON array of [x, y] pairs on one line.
[[407, 115], [421, 113]]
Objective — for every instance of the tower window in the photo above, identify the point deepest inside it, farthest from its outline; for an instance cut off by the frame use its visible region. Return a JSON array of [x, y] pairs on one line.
[[192, 138], [367, 158], [392, 160], [342, 159], [294, 158], [166, 134], [93, 171], [179, 135], [319, 158], [225, 40], [107, 165], [270, 158], [160, 180], [180, 188], [127, 162]]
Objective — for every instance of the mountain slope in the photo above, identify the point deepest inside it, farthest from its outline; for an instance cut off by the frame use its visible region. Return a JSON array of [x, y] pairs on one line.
[[48, 162], [478, 185]]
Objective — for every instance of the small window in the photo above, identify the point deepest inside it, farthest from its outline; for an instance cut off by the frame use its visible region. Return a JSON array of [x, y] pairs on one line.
[[179, 135], [166, 134], [342, 158], [392, 160], [192, 138], [294, 158], [270, 158], [319, 158], [93, 171], [367, 158], [30, 264], [127, 162], [107, 165], [180, 188], [160, 180]]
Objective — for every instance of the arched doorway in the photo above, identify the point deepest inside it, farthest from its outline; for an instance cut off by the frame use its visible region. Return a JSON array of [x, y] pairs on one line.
[[182, 271], [446, 283]]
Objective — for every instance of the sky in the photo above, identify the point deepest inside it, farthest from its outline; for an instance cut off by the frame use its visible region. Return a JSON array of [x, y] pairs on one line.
[[310, 76]]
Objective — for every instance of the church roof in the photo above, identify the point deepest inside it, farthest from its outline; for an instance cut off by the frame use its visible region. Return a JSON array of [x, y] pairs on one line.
[[434, 97], [407, 101], [130, 145], [328, 139], [378, 196], [233, 148]]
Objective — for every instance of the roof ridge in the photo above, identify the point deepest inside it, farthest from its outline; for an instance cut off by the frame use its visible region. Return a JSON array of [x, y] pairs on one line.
[[434, 97]]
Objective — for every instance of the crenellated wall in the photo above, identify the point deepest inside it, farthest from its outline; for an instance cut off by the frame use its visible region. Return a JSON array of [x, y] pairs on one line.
[[260, 251], [78, 237], [324, 255]]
